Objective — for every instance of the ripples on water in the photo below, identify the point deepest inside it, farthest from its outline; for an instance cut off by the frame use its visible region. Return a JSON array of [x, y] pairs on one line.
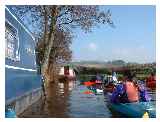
[[68, 100], [87, 105], [73, 103]]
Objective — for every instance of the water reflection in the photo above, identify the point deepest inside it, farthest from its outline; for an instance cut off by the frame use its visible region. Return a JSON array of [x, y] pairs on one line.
[[57, 103], [67, 99], [87, 105]]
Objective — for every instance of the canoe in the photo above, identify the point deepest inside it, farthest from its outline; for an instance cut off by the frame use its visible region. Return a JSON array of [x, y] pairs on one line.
[[95, 90], [134, 110], [88, 83], [88, 92], [109, 88], [99, 91]]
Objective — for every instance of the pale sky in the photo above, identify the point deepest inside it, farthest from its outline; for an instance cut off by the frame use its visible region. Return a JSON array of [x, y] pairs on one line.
[[133, 39]]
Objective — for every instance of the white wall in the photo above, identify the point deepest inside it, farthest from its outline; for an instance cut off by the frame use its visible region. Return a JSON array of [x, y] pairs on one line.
[[71, 71]]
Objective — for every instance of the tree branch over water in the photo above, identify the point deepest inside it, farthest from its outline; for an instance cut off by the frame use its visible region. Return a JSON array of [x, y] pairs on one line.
[[53, 26]]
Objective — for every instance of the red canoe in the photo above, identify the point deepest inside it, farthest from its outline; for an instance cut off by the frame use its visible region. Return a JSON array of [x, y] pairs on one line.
[[89, 83], [88, 92]]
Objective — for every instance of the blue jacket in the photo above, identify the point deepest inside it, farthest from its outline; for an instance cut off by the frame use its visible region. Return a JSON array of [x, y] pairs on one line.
[[119, 95]]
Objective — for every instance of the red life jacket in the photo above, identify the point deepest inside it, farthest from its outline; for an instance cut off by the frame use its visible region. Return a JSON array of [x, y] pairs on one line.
[[132, 92]]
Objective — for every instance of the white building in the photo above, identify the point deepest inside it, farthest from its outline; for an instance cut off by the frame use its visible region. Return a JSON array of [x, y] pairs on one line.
[[67, 71]]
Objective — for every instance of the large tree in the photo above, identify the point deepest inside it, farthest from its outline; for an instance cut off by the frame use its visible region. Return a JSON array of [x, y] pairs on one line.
[[53, 25]]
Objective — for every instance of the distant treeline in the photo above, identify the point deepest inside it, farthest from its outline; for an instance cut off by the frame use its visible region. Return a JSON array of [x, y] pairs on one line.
[[141, 72], [94, 71]]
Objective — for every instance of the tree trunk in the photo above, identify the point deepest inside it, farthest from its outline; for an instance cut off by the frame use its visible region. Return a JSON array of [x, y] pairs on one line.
[[49, 69], [49, 39]]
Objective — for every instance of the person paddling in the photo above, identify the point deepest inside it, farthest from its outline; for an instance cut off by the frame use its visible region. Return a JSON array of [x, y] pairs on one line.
[[128, 91], [131, 88]]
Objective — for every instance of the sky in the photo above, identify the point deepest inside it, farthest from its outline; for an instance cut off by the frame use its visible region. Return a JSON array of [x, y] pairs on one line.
[[132, 40]]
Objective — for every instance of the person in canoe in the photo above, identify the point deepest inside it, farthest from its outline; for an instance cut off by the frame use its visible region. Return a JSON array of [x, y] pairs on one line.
[[98, 78], [128, 91], [151, 81], [112, 83], [114, 78]]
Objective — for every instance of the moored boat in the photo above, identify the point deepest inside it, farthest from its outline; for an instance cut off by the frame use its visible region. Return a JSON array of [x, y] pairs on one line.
[[22, 72]]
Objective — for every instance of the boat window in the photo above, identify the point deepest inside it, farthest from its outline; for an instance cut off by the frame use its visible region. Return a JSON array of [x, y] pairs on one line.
[[11, 42], [30, 50]]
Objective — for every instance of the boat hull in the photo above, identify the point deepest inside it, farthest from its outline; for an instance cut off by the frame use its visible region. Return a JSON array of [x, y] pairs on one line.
[[19, 82], [133, 110]]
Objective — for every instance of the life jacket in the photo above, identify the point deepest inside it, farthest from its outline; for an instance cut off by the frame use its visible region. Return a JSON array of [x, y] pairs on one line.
[[132, 92]]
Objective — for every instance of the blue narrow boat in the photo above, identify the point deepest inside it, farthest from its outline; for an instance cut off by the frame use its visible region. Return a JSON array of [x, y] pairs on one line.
[[21, 76]]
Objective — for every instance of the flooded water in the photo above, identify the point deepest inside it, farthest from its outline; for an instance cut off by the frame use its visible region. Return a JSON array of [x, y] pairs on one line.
[[70, 99], [87, 105]]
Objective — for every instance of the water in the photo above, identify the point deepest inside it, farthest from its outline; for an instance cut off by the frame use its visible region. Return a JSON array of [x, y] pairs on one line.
[[87, 105], [69, 101]]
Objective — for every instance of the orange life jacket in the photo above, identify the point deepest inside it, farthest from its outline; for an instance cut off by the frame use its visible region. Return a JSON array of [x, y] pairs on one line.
[[132, 92]]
